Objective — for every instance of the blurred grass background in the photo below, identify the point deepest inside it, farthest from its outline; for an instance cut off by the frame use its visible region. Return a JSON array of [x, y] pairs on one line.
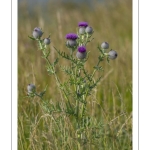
[[112, 99]]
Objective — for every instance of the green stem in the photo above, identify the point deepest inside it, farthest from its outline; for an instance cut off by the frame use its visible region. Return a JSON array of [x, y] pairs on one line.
[[78, 92], [93, 75], [43, 48], [95, 69], [38, 95], [57, 79], [82, 111]]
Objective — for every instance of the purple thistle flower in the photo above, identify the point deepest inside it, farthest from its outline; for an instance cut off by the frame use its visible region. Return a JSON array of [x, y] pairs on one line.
[[81, 53], [83, 24], [81, 49], [71, 36]]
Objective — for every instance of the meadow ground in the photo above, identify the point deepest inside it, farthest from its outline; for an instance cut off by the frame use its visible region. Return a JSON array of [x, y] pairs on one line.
[[111, 100]]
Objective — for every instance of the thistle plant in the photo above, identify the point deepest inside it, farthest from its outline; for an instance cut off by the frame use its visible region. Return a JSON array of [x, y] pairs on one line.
[[80, 83]]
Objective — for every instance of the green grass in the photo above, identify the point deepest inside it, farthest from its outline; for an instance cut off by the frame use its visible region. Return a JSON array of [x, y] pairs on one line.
[[110, 103]]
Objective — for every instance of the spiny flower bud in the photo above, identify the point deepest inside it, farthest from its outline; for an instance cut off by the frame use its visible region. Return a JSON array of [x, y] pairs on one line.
[[71, 43], [89, 30], [81, 30], [112, 54], [81, 53], [31, 88], [37, 33], [105, 45], [47, 41]]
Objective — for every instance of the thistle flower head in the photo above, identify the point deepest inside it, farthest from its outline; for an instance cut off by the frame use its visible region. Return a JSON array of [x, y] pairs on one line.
[[89, 30], [47, 41], [105, 45], [71, 36], [81, 49], [81, 53], [83, 24], [31, 88], [112, 54], [37, 32]]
